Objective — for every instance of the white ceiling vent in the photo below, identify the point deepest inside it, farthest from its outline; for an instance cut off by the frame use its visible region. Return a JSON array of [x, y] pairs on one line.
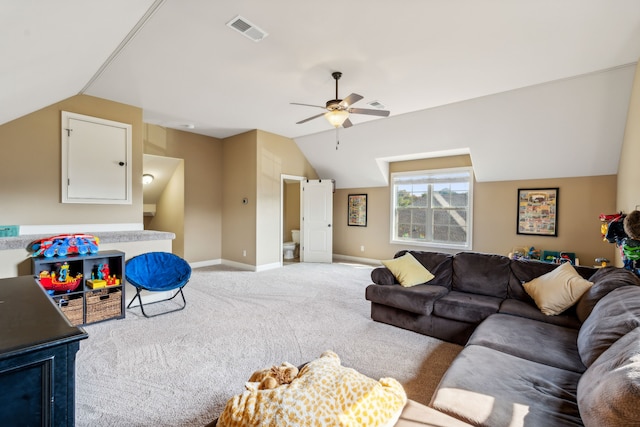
[[376, 104], [248, 29]]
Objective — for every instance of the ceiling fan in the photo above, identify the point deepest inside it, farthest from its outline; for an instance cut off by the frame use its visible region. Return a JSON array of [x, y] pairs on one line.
[[337, 110]]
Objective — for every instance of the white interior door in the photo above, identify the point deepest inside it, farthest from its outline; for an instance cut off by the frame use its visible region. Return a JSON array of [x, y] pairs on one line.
[[317, 220]]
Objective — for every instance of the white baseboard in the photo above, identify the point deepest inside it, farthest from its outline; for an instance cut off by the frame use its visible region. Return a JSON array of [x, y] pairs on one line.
[[207, 263], [348, 258], [147, 296], [271, 266], [239, 265]]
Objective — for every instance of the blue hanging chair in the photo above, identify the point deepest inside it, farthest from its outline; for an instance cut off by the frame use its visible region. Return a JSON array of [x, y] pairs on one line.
[[158, 272]]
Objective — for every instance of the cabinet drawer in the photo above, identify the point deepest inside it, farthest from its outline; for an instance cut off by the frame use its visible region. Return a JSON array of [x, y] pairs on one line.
[[103, 304]]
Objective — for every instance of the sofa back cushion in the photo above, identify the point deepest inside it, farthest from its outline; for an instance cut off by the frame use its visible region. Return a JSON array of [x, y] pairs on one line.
[[439, 264], [604, 281], [483, 274], [524, 271], [613, 316], [609, 391]]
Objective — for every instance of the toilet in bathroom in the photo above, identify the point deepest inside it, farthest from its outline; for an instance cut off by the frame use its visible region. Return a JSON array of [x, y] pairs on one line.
[[290, 248]]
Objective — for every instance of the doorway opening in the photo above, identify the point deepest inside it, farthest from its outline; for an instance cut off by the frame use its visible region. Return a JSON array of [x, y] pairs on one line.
[[290, 219], [163, 197]]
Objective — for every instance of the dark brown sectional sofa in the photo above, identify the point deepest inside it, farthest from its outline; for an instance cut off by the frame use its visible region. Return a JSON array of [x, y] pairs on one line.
[[520, 367]]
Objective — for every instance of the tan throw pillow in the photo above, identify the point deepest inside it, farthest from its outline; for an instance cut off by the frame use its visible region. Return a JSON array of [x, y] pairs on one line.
[[407, 270], [557, 290]]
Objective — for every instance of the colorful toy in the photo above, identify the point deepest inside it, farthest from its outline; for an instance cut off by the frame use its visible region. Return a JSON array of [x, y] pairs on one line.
[[60, 282], [64, 244]]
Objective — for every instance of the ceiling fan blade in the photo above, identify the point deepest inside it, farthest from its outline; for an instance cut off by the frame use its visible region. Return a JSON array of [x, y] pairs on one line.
[[310, 118], [350, 100], [382, 113], [347, 123], [308, 105]]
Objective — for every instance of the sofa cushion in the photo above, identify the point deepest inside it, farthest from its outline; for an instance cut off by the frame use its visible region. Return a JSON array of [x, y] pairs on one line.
[[417, 299], [614, 315], [486, 387], [604, 281], [529, 310], [557, 290], [525, 337], [524, 271], [439, 264], [482, 274], [407, 270], [609, 391], [466, 307]]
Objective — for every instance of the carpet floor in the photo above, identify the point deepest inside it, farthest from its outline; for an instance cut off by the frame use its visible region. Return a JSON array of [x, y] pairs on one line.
[[181, 368]]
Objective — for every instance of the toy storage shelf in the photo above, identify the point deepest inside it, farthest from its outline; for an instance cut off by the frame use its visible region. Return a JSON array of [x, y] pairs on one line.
[[86, 304]]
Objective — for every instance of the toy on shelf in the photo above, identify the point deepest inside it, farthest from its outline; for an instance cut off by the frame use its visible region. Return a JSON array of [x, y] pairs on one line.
[[60, 282], [525, 253], [64, 244], [101, 277], [555, 257]]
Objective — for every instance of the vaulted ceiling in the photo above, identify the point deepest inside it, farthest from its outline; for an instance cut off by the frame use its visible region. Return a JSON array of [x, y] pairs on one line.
[[528, 89]]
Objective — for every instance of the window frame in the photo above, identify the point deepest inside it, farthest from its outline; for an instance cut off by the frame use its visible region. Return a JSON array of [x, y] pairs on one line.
[[468, 245]]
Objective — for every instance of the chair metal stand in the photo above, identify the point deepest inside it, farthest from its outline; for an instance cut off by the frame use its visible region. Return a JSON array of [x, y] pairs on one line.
[[138, 290]]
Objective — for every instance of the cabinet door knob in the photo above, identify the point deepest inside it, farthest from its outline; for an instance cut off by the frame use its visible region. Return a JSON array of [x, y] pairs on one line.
[[121, 163]]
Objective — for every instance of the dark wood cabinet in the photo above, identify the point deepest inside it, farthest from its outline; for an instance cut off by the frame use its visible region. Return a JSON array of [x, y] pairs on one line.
[[38, 349]]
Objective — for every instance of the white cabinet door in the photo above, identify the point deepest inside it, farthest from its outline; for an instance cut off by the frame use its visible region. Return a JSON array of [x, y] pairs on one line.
[[96, 160]]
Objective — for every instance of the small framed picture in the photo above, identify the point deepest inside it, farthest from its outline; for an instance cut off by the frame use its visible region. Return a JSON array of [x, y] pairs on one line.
[[538, 211], [357, 210]]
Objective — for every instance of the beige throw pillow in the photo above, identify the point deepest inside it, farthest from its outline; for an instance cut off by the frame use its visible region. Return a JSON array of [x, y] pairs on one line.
[[408, 271], [557, 290]]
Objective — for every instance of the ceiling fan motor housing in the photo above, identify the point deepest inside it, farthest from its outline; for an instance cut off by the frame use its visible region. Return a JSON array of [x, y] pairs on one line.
[[334, 104]]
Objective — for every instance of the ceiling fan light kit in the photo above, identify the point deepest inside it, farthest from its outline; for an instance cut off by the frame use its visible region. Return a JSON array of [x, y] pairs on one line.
[[336, 117], [338, 110]]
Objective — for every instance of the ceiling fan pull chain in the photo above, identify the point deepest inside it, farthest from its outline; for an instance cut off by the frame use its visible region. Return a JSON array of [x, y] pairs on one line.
[[337, 138]]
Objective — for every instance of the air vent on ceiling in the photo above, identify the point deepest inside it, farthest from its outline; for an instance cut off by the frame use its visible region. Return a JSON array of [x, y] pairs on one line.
[[247, 29], [376, 104]]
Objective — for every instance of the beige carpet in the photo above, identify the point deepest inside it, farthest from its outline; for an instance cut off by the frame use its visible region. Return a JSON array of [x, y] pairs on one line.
[[180, 369]]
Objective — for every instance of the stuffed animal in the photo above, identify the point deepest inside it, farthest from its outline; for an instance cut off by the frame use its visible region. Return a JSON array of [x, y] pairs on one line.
[[275, 376]]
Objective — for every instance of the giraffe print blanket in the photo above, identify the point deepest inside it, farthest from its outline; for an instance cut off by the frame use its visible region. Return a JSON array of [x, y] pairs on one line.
[[323, 394]]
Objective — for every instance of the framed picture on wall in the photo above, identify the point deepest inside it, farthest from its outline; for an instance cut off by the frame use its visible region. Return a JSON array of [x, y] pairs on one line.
[[357, 210], [538, 211]]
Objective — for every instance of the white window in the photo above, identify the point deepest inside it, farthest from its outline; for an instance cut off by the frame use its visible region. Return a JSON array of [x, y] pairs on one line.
[[432, 208]]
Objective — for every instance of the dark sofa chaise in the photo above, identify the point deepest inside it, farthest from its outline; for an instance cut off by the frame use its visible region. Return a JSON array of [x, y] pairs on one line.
[[520, 367]]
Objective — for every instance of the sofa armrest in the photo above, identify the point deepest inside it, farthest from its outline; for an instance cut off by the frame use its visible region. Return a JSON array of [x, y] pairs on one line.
[[383, 276]]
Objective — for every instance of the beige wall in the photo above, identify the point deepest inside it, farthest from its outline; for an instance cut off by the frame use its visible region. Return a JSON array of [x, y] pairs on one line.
[[30, 172], [170, 210], [253, 165], [277, 155], [202, 197], [581, 200], [239, 181]]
